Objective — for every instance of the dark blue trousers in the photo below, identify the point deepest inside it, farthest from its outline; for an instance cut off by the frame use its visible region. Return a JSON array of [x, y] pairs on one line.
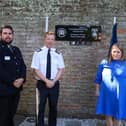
[[50, 94]]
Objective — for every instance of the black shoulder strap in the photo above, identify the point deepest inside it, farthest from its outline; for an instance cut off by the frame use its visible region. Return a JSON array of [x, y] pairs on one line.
[[38, 50], [57, 51]]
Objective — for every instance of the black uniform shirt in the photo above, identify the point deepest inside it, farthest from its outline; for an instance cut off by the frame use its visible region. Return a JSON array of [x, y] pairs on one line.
[[12, 66]]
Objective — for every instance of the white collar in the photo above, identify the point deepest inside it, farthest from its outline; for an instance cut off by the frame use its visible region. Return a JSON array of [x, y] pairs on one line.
[[52, 49]]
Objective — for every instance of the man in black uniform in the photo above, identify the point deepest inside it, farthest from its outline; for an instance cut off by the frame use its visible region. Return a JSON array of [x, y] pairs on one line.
[[12, 76]]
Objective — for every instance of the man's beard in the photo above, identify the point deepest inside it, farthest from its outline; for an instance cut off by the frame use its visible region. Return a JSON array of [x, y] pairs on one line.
[[6, 42]]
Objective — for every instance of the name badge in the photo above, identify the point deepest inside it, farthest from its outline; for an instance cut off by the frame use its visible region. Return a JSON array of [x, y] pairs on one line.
[[7, 58]]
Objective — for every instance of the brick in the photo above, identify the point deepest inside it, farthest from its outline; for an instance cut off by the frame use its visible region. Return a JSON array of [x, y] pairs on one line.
[[77, 87]]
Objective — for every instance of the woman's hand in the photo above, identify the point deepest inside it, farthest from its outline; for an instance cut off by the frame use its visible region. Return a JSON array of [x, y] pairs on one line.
[[97, 90]]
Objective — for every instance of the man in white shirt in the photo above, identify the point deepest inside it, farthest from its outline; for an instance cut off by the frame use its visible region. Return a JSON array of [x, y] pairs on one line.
[[48, 66]]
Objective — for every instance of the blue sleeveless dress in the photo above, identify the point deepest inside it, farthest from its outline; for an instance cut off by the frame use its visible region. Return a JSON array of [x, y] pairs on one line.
[[112, 80]]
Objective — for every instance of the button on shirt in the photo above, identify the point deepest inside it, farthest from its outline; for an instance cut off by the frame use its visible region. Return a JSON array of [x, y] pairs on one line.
[[39, 61]]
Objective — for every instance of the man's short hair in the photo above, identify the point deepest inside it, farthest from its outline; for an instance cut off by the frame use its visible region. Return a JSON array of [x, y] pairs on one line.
[[8, 27], [49, 33]]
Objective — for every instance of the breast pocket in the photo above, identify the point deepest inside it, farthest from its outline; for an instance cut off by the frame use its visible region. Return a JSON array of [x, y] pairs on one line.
[[54, 61], [42, 61]]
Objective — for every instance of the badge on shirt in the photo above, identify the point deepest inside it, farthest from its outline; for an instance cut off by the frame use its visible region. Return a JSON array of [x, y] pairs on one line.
[[7, 58]]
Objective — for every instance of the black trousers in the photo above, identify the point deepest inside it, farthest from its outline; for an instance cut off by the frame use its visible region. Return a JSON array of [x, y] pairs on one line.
[[8, 108], [52, 95]]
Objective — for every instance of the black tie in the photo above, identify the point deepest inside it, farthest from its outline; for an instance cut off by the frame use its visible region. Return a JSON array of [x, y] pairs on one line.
[[48, 66]]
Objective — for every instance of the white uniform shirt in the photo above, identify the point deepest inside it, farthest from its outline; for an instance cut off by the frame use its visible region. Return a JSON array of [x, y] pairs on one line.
[[39, 61]]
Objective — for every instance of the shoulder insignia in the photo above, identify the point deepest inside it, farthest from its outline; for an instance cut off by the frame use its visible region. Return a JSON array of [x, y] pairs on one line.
[[38, 50], [57, 51]]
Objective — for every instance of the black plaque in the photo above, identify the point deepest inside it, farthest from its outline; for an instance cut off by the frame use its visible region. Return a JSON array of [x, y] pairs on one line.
[[95, 33], [71, 33]]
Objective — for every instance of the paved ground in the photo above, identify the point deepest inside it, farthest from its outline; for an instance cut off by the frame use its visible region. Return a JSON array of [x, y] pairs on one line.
[[19, 119], [30, 121]]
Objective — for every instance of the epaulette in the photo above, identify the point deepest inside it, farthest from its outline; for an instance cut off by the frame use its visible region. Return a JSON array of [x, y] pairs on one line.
[[57, 51], [38, 50]]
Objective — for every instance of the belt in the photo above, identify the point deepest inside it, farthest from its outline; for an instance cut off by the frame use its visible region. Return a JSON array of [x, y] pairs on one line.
[[43, 81]]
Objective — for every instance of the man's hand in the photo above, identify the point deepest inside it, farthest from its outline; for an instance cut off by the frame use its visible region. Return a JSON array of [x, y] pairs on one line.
[[18, 82], [50, 83]]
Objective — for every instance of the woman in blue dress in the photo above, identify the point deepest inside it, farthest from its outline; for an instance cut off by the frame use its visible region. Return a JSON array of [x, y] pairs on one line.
[[111, 87]]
